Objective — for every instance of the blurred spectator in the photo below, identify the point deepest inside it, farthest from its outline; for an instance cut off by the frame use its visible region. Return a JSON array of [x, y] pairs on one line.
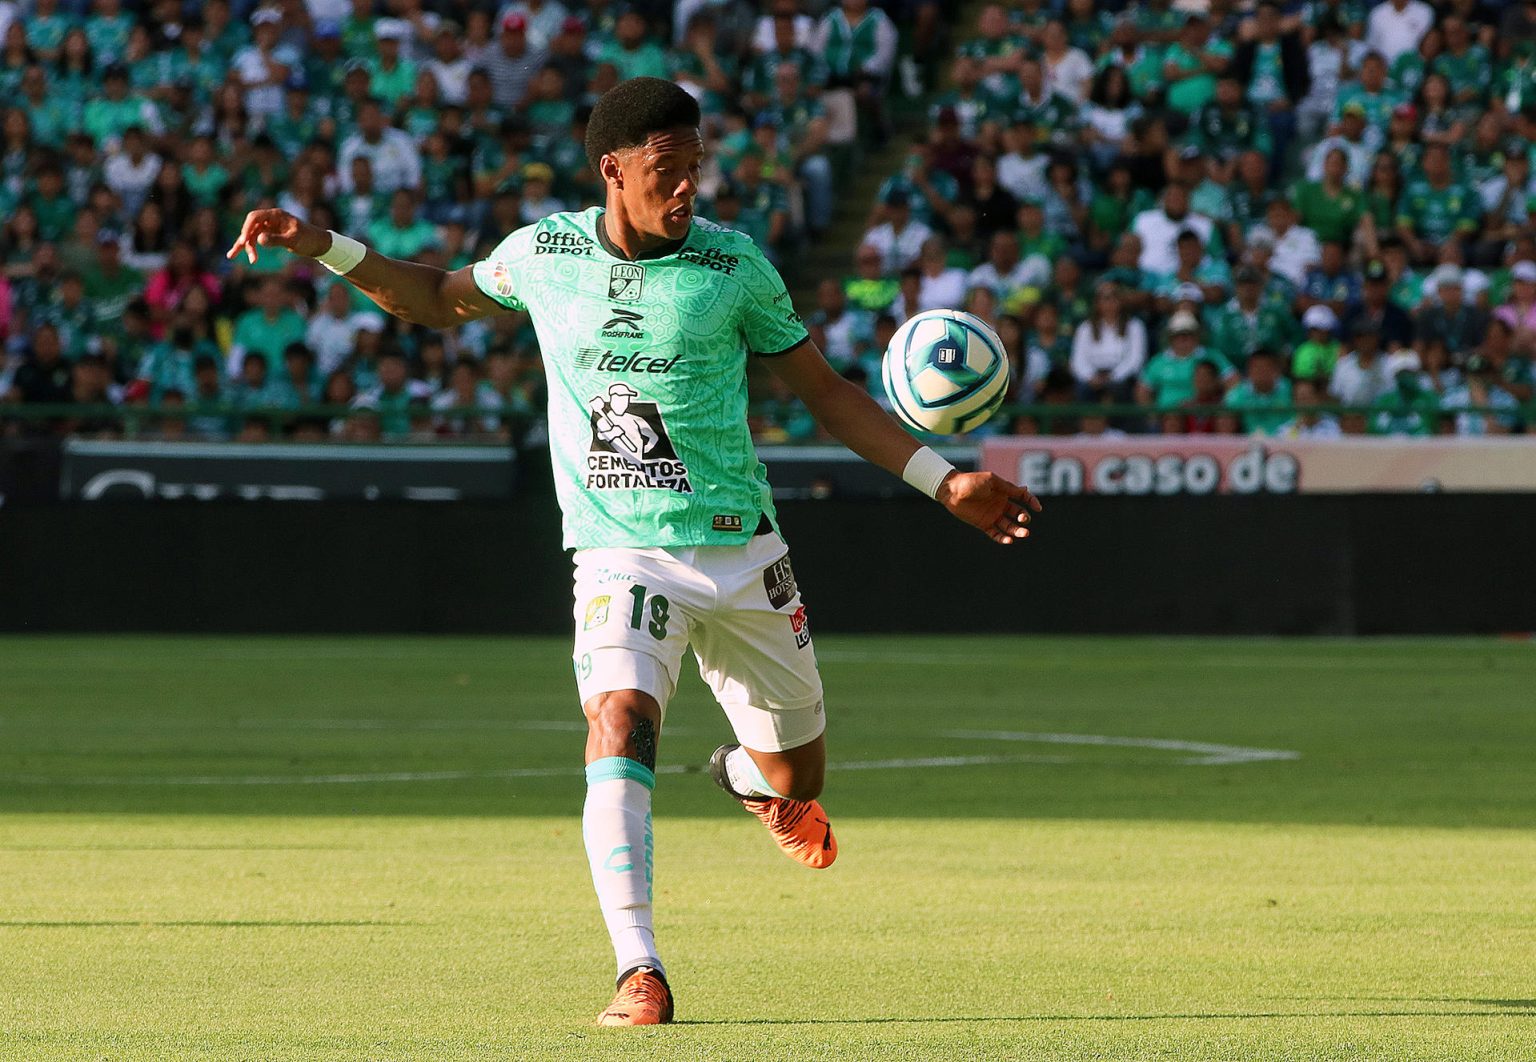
[[1159, 229], [858, 43], [1110, 348], [897, 237], [264, 66], [513, 61], [1308, 423], [266, 329], [1407, 408], [1376, 312], [1316, 357], [1263, 398], [1168, 381], [1360, 376], [393, 158], [1395, 27], [1448, 318], [1481, 391]]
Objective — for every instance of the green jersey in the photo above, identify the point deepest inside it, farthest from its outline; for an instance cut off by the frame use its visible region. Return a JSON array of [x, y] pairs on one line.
[[646, 362], [1171, 379], [1263, 414], [1439, 214]]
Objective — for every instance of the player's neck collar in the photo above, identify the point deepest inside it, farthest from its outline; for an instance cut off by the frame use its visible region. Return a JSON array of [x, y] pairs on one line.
[[668, 248]]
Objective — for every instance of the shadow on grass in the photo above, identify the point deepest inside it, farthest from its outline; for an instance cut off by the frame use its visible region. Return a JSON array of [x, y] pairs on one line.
[[1512, 1004], [1044, 1018]]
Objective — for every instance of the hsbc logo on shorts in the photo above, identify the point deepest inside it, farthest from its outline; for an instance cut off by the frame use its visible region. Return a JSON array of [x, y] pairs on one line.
[[779, 582]]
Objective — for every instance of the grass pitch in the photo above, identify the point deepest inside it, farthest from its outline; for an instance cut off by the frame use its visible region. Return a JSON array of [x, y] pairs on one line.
[[370, 849]]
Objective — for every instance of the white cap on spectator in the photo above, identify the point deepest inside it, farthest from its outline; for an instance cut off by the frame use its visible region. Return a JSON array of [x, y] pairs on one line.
[[392, 29], [1320, 316], [1476, 283], [1524, 270], [368, 322], [1447, 276], [265, 16], [1183, 321]]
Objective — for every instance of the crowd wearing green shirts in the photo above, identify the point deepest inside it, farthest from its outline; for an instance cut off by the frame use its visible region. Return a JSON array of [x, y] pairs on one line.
[[1406, 166], [1061, 125], [138, 135]]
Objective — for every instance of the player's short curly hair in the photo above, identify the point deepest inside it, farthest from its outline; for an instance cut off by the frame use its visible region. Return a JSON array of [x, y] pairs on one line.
[[627, 114]]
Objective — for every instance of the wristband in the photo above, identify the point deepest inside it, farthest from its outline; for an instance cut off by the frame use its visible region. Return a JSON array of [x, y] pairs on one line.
[[926, 470], [343, 255]]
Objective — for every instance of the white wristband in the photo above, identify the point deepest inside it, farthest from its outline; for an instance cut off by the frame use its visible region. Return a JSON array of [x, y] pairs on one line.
[[926, 470], [344, 254]]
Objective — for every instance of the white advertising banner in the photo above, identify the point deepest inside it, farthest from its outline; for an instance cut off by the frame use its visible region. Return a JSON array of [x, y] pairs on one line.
[[1224, 464]]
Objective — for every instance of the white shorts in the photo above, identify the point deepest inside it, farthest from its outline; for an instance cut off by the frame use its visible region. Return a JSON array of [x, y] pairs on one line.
[[637, 610]]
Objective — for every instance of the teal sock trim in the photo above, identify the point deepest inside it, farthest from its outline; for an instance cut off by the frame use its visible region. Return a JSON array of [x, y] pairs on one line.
[[610, 768], [756, 776]]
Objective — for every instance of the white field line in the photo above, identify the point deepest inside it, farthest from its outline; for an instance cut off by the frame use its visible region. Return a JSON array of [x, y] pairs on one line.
[[1207, 753], [513, 772]]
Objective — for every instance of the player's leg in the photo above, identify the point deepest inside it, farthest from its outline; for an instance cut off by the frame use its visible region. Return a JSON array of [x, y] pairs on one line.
[[630, 637], [796, 773], [755, 653], [623, 727]]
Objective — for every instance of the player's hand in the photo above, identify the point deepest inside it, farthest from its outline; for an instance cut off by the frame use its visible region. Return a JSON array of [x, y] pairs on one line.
[[278, 228], [989, 502]]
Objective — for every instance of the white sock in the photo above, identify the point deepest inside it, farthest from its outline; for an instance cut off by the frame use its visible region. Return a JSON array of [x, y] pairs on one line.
[[745, 777], [616, 827]]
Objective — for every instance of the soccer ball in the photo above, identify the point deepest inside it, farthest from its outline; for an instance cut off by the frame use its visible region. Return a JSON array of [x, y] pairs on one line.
[[945, 372]]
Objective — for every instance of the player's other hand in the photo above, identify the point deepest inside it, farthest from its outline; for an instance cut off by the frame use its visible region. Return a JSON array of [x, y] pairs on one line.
[[989, 502], [278, 228]]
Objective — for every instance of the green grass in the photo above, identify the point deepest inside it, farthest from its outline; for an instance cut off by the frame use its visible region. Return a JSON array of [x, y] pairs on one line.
[[1374, 898]]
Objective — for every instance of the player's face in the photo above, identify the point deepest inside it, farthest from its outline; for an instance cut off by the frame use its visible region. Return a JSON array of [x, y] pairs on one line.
[[660, 181]]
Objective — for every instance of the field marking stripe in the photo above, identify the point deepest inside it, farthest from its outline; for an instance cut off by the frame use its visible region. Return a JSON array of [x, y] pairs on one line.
[[1208, 753], [512, 772]]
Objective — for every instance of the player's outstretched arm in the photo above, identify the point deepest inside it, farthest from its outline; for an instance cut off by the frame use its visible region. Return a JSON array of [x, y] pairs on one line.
[[418, 293], [986, 501]]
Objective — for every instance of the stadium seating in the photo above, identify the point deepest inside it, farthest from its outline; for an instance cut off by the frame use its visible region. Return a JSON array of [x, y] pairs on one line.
[[1343, 186], [138, 135], [1346, 187]]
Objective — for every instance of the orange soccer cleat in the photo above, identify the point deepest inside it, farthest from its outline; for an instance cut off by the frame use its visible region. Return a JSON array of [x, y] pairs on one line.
[[643, 998], [799, 827]]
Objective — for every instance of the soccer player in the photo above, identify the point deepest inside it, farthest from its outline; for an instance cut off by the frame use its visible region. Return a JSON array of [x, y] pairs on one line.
[[646, 316]]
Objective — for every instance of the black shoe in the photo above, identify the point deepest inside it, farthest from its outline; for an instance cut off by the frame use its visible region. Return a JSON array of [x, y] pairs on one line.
[[718, 772]]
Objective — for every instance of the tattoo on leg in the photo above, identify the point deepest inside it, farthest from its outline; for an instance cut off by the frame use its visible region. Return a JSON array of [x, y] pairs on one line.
[[642, 742]]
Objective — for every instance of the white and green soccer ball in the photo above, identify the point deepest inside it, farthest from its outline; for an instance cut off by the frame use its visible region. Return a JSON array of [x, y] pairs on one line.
[[945, 372]]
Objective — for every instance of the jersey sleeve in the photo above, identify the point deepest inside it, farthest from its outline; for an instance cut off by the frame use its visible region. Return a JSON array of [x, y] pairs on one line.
[[500, 273], [768, 318]]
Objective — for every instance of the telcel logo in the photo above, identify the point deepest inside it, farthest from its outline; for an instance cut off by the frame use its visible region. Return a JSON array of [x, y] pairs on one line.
[[612, 362]]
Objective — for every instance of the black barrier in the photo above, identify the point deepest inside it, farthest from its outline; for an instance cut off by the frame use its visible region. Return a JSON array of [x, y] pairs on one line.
[[1368, 564]]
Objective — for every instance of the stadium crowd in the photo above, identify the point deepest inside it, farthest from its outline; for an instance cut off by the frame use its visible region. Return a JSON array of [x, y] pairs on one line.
[[136, 137], [1202, 204], [1262, 209]]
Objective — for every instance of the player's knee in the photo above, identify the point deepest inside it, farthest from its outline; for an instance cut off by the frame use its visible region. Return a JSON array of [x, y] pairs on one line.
[[623, 723]]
